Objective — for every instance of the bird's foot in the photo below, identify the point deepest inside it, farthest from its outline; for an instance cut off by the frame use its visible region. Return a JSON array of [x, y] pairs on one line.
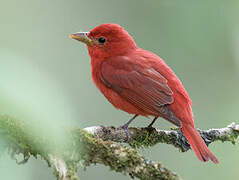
[[126, 126], [126, 129], [150, 129], [150, 126]]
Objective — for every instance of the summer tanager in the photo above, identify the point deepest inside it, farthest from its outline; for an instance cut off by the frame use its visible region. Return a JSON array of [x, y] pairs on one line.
[[140, 82]]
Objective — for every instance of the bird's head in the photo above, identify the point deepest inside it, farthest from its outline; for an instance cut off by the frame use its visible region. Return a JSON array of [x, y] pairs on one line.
[[106, 40]]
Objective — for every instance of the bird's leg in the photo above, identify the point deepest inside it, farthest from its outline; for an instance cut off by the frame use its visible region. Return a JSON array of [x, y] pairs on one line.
[[126, 125], [151, 124]]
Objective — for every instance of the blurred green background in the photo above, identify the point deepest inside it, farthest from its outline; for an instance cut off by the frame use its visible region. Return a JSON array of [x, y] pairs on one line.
[[45, 76]]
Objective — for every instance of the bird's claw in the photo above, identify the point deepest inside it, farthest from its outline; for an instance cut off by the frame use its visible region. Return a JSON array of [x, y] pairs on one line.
[[126, 129], [150, 128]]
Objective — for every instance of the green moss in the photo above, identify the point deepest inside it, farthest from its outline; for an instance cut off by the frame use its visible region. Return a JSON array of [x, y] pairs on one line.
[[232, 138], [150, 137], [145, 138], [81, 147], [123, 159]]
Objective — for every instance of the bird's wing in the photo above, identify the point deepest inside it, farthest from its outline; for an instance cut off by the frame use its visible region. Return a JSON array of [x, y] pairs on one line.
[[146, 88]]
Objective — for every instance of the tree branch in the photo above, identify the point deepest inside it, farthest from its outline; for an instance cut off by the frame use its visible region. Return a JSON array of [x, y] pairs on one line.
[[99, 145], [125, 160], [145, 137], [78, 147]]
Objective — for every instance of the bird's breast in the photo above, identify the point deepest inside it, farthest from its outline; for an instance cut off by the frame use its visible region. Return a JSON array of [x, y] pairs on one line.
[[114, 98]]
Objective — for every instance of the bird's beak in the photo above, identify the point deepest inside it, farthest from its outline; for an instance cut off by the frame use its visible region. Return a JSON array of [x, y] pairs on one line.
[[82, 36]]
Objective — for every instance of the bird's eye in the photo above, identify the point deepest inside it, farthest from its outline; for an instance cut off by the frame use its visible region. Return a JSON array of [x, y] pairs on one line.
[[101, 40]]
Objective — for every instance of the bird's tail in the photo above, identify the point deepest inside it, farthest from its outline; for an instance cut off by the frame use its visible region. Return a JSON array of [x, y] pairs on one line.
[[197, 144]]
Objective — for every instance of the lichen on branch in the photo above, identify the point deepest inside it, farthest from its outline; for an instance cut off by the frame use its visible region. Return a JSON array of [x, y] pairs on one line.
[[99, 145], [145, 137], [80, 147]]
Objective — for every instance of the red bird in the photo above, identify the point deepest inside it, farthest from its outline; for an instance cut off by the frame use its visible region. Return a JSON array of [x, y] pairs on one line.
[[139, 82]]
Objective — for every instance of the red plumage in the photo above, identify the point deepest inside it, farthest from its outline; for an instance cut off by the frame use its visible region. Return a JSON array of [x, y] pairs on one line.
[[139, 82]]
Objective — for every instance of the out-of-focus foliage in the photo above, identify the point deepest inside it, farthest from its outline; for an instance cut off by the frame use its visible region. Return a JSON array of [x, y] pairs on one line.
[[45, 76]]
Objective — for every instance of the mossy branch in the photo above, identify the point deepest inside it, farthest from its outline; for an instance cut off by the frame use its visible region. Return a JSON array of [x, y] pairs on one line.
[[145, 137], [78, 148], [99, 145]]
